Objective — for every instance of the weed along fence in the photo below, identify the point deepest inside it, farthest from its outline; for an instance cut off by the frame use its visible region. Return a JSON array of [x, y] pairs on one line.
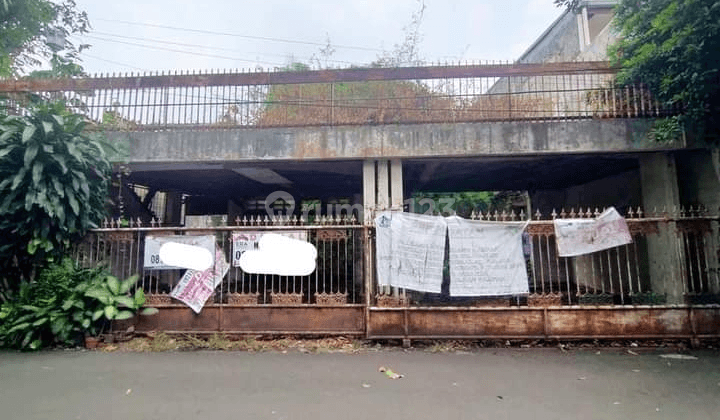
[[662, 284]]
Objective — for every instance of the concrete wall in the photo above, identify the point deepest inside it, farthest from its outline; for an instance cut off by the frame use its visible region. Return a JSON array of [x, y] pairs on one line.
[[620, 191], [698, 182], [386, 141], [560, 42]]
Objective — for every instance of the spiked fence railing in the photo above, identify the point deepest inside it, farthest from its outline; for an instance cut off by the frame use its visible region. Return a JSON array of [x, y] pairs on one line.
[[434, 94]]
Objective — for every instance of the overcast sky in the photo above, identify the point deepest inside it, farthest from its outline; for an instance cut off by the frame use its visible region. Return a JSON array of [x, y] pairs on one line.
[[251, 33]]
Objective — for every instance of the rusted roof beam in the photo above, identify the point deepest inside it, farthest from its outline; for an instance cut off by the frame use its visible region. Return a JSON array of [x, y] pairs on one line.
[[300, 77]]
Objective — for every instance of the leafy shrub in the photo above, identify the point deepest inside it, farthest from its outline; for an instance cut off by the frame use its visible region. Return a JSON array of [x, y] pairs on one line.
[[64, 304], [53, 187]]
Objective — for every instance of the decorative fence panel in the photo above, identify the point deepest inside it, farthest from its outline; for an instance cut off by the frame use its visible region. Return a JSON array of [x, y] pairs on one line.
[[619, 292]]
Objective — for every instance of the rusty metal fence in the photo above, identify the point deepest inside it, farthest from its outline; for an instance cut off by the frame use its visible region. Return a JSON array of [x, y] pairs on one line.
[[625, 291], [435, 94], [625, 275], [337, 279]]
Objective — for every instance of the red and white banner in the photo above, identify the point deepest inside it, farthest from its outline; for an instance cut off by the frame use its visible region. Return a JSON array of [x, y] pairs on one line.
[[584, 236], [195, 287]]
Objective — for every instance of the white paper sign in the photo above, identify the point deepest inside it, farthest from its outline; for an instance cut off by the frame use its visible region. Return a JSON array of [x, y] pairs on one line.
[[153, 261], [486, 258], [248, 240], [280, 255], [584, 236], [416, 250], [195, 287]]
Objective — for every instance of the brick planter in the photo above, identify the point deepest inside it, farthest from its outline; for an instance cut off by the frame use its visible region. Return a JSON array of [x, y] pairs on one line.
[[286, 298], [242, 298], [492, 303], [551, 299], [331, 298], [593, 299], [705, 299], [648, 298], [157, 299], [388, 301]]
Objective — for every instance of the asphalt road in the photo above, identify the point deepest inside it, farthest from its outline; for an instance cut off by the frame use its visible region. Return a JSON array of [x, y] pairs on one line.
[[487, 384]]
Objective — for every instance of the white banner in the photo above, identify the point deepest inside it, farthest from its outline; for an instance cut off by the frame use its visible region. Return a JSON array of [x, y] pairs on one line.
[[410, 249], [249, 239], [584, 236], [195, 287], [486, 258], [152, 260]]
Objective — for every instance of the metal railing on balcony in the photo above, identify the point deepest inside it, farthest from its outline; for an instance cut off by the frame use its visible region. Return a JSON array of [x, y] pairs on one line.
[[435, 94]]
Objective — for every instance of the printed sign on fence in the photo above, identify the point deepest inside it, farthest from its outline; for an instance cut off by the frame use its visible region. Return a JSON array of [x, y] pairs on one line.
[[195, 287], [584, 236], [152, 260], [247, 240], [486, 258]]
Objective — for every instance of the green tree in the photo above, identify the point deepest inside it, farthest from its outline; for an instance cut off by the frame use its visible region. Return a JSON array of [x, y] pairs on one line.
[[672, 46], [35, 30], [53, 188]]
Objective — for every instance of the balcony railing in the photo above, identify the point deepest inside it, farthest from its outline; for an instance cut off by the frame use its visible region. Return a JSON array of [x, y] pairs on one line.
[[435, 94]]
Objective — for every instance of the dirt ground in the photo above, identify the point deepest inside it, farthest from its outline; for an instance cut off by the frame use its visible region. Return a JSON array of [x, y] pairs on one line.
[[340, 379]]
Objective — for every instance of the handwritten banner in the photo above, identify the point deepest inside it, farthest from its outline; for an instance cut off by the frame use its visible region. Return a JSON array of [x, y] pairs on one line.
[[195, 287], [584, 236], [486, 258], [410, 250]]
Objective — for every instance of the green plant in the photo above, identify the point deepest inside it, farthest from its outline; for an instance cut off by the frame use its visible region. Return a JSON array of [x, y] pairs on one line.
[[47, 311], [53, 187], [65, 303], [113, 299]]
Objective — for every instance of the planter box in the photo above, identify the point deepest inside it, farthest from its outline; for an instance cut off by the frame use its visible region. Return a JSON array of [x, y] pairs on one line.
[[388, 301], [243, 298], [599, 299], [331, 298], [705, 299], [551, 299], [648, 298], [492, 303], [286, 298], [157, 299]]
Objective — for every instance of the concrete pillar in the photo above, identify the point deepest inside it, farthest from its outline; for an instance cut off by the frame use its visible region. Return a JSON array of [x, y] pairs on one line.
[[173, 209], [396, 185], [382, 187], [234, 212], [369, 191], [382, 190], [659, 183]]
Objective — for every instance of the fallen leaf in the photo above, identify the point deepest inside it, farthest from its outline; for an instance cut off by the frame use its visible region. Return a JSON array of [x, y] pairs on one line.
[[636, 370], [499, 397], [616, 403], [582, 378], [128, 392], [389, 373], [366, 385], [633, 353]]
